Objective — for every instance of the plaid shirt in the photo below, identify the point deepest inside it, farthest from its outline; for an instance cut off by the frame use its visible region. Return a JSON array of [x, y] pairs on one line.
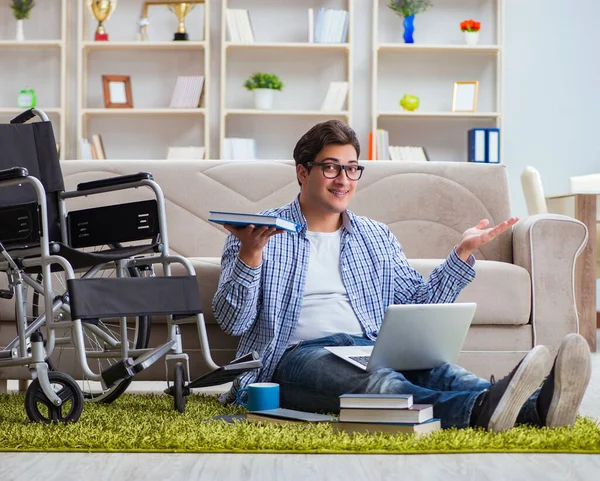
[[262, 304]]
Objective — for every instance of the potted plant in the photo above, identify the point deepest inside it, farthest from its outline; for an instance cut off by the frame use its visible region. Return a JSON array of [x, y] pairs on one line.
[[408, 9], [470, 29], [263, 85], [21, 10]]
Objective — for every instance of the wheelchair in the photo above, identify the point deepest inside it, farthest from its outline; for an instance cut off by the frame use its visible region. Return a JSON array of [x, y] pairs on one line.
[[85, 286]]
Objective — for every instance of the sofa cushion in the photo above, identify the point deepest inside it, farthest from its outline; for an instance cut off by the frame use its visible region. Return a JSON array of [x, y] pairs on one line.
[[502, 291]]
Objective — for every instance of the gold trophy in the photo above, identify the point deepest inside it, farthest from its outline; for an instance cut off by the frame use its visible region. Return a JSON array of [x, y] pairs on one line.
[[101, 10], [181, 10]]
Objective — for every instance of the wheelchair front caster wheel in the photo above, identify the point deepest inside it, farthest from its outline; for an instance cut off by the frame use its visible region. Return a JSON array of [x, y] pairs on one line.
[[40, 409], [178, 388]]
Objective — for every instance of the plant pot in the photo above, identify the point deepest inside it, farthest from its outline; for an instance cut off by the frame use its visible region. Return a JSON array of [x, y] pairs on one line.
[[263, 99], [471, 38], [409, 28], [20, 36]]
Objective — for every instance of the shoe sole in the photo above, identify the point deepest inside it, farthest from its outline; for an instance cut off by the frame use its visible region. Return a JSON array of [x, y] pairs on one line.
[[571, 378], [529, 376]]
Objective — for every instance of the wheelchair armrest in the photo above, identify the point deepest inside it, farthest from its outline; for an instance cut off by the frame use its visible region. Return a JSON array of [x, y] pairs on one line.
[[112, 181], [13, 173], [23, 117]]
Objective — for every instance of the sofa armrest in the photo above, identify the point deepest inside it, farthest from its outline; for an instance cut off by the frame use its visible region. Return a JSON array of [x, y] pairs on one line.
[[547, 245]]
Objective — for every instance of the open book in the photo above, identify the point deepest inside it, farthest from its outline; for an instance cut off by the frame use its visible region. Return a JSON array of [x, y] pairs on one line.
[[237, 218]]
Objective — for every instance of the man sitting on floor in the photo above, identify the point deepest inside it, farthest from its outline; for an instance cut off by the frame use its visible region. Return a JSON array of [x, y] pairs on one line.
[[329, 284]]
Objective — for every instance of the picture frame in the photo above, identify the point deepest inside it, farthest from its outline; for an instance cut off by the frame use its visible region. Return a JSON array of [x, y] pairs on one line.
[[117, 91], [464, 97]]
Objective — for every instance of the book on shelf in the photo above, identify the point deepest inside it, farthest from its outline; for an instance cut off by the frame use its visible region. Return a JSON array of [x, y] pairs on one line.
[[483, 145], [185, 153], [410, 153], [239, 26], [476, 145], [282, 415], [188, 92], [336, 97], [492, 144], [242, 219], [236, 148], [426, 427], [331, 26], [311, 25], [379, 145], [417, 413], [98, 147], [381, 401]]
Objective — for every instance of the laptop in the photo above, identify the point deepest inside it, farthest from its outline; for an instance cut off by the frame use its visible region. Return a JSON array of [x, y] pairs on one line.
[[414, 336]]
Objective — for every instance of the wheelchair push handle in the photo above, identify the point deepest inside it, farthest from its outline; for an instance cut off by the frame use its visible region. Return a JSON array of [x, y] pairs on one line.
[[28, 115]]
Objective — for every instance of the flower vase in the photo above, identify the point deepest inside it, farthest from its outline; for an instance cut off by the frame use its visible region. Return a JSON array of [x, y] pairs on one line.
[[263, 99], [20, 35], [409, 28], [471, 38]]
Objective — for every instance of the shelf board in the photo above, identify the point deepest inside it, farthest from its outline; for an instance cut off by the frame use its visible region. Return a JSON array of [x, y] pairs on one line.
[[291, 113], [142, 111], [110, 45], [412, 47], [31, 44], [290, 45], [17, 110], [400, 113]]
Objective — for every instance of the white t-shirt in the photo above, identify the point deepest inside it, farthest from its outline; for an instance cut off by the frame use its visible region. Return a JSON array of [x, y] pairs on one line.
[[325, 306]]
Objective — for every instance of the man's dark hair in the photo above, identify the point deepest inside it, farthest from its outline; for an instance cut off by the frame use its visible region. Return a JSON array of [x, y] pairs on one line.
[[323, 134]]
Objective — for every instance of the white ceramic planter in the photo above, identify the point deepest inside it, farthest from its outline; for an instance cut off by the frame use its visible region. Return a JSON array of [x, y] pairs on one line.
[[20, 36], [263, 99], [471, 38]]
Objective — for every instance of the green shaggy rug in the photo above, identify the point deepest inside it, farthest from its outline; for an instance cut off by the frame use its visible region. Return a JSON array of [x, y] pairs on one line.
[[148, 423]]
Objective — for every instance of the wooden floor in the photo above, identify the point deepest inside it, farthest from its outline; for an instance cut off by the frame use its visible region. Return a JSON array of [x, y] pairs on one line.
[[282, 467]]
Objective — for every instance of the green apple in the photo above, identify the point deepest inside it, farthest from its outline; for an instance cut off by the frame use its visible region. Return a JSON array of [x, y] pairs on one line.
[[409, 102]]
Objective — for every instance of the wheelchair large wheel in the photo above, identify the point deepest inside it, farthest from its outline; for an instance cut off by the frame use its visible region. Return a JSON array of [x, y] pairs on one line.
[[40, 409], [63, 357]]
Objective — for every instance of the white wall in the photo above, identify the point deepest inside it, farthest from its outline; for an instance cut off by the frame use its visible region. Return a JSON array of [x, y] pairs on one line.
[[552, 92], [551, 74]]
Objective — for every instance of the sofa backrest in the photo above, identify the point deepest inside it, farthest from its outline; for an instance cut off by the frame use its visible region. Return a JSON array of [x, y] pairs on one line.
[[426, 204]]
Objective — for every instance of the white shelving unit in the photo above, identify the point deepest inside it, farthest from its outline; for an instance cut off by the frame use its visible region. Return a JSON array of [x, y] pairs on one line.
[[37, 62], [150, 127], [281, 46], [429, 67]]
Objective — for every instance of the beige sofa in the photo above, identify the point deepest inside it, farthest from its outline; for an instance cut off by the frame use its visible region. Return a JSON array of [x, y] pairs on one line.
[[524, 284]]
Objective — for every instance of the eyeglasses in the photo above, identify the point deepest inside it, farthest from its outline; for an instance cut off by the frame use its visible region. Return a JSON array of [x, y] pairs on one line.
[[331, 170]]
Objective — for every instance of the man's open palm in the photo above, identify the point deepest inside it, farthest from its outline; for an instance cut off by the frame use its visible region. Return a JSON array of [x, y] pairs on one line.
[[481, 234]]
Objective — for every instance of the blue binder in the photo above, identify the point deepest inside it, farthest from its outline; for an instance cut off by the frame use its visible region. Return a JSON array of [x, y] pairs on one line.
[[492, 146], [476, 145]]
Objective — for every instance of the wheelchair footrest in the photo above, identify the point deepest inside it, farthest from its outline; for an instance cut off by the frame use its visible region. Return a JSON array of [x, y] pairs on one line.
[[225, 374], [118, 372], [130, 367]]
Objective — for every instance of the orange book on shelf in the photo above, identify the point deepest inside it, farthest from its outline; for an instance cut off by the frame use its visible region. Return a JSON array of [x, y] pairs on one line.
[[370, 145]]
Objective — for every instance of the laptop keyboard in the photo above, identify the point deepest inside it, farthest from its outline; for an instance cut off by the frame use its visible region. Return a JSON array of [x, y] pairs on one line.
[[364, 360]]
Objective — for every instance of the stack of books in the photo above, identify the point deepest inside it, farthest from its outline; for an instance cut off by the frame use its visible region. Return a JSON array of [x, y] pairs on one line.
[[400, 152], [387, 413], [331, 25], [94, 149]]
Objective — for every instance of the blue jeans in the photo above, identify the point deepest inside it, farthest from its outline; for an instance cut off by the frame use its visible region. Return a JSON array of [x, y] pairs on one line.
[[312, 379]]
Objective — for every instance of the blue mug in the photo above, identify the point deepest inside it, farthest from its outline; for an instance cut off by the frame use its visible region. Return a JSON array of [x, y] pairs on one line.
[[261, 396]]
